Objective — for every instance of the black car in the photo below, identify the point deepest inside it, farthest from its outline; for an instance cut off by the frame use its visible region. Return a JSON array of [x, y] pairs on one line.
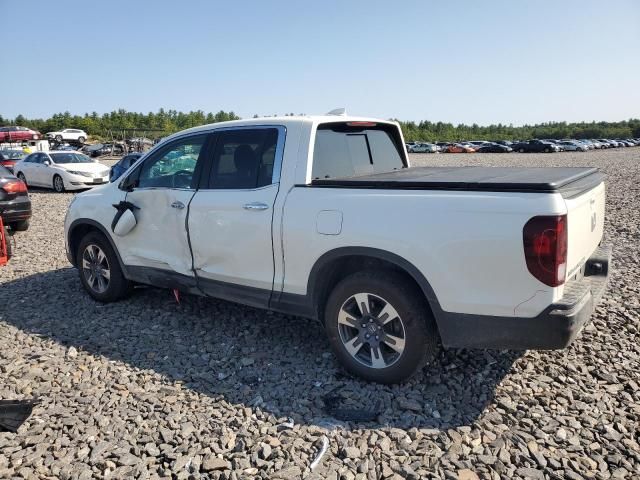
[[15, 205], [100, 149], [495, 148], [123, 165], [535, 146]]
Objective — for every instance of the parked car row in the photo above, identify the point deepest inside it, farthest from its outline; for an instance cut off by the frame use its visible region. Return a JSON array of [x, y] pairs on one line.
[[525, 146]]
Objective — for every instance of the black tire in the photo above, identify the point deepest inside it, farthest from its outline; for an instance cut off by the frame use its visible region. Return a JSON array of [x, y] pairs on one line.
[[81, 139], [59, 138], [416, 323], [546, 150], [58, 184], [521, 150], [21, 176], [21, 226], [118, 286]]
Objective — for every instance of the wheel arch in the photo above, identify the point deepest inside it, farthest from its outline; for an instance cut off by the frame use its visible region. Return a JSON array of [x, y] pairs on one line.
[[78, 229], [336, 264]]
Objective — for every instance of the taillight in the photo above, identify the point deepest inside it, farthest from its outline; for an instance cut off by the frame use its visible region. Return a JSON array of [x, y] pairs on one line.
[[14, 186], [545, 248]]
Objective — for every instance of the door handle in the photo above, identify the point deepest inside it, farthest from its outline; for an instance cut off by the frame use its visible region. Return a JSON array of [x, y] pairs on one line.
[[177, 204], [255, 206]]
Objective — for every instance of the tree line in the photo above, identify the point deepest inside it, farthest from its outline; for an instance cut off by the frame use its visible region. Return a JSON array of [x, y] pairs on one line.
[[164, 122], [438, 131], [156, 124]]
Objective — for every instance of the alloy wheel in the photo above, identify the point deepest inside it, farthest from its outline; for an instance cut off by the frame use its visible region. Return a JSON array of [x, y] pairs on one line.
[[58, 184], [371, 330], [95, 268]]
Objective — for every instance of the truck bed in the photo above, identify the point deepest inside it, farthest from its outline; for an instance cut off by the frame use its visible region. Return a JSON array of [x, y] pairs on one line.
[[568, 181]]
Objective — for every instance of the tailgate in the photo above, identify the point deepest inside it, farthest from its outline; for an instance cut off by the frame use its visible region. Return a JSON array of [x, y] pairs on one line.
[[585, 220]]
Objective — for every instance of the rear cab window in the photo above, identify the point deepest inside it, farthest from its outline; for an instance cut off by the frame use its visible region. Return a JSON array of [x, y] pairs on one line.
[[351, 149]]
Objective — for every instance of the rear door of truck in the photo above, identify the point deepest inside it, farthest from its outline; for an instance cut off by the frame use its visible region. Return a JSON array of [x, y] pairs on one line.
[[230, 216]]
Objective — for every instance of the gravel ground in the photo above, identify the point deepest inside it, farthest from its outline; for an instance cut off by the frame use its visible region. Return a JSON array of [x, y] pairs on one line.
[[148, 388]]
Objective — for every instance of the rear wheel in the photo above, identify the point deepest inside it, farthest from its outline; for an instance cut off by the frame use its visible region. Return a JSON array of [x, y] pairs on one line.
[[21, 226], [380, 326], [81, 139], [99, 269], [21, 176], [546, 150], [521, 150], [58, 184]]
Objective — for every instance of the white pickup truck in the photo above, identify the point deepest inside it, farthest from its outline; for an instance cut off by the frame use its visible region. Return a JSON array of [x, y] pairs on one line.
[[322, 217]]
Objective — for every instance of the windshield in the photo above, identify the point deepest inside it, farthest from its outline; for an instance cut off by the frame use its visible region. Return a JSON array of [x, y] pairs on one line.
[[70, 157]]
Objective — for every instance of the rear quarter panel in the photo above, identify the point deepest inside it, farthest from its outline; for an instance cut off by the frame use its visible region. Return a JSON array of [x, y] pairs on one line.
[[468, 245]]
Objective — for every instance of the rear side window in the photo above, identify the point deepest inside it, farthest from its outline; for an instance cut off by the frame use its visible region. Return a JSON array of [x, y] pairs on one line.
[[351, 149], [244, 158]]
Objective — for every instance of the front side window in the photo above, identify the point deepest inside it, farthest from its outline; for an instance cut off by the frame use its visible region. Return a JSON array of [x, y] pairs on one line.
[[173, 166], [244, 158]]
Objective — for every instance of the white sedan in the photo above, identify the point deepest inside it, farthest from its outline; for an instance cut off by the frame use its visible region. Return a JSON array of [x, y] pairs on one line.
[[571, 146], [68, 134], [61, 171]]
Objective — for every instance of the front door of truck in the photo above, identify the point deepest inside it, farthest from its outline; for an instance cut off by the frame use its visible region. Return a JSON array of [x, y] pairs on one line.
[[161, 189], [230, 218]]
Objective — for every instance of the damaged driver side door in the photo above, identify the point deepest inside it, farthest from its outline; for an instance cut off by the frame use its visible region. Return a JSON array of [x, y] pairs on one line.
[[156, 250]]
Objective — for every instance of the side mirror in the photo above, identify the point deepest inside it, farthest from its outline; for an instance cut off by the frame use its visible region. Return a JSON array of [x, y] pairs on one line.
[[47, 162]]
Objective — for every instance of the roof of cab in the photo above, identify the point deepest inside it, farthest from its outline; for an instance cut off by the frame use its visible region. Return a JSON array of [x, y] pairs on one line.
[[285, 121]]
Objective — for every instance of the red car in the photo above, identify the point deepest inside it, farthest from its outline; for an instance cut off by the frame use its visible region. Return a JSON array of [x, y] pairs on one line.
[[18, 134]]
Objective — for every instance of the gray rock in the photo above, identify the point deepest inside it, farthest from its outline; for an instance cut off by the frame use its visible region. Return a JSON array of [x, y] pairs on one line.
[[211, 463], [351, 452]]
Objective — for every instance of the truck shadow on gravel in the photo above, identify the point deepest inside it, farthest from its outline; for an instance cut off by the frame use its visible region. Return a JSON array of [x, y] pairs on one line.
[[245, 356]]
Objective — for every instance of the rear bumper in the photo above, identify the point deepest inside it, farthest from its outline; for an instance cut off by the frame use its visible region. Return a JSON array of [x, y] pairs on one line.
[[555, 328], [16, 210]]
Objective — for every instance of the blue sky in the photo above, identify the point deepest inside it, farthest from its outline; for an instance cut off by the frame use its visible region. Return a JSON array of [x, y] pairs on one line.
[[455, 61]]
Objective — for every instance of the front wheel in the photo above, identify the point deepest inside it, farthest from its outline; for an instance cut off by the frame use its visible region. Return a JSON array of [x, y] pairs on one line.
[[521, 150], [59, 138], [99, 269], [380, 326], [81, 139], [58, 183]]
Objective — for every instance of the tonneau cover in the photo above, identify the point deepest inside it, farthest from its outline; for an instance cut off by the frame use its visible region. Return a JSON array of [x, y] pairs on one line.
[[569, 181]]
